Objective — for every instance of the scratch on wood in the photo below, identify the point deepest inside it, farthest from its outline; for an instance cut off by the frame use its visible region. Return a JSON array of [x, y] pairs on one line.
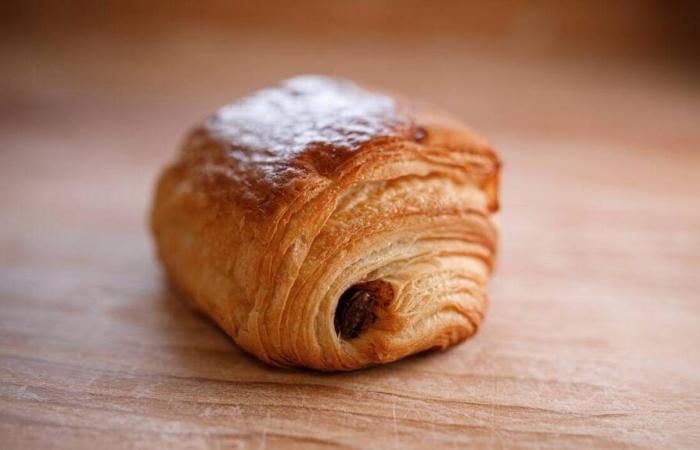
[[396, 427], [263, 441], [494, 429]]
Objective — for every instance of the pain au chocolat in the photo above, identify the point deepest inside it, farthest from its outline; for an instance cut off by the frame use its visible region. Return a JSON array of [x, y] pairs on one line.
[[326, 225]]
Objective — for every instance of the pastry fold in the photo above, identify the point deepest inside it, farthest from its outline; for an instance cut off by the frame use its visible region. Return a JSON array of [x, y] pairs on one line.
[[325, 225]]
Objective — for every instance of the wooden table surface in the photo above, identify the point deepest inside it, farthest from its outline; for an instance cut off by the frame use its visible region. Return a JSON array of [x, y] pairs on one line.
[[593, 336]]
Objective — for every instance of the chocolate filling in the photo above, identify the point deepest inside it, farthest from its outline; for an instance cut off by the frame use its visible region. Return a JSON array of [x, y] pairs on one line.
[[355, 312]]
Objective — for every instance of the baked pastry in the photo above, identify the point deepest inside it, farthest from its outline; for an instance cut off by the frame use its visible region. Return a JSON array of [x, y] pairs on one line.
[[325, 225]]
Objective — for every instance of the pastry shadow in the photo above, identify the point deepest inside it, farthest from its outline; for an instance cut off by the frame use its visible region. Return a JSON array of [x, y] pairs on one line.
[[198, 348], [198, 345]]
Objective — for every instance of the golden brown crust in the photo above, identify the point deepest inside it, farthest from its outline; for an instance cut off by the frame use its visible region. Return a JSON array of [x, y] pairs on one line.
[[284, 200]]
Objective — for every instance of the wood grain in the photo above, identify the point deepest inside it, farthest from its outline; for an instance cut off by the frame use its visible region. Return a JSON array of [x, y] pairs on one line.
[[592, 340]]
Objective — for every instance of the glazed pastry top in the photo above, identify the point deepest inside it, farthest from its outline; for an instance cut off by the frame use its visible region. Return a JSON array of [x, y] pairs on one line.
[[300, 129]]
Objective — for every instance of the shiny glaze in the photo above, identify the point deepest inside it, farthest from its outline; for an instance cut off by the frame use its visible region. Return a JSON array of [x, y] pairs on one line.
[[304, 126]]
